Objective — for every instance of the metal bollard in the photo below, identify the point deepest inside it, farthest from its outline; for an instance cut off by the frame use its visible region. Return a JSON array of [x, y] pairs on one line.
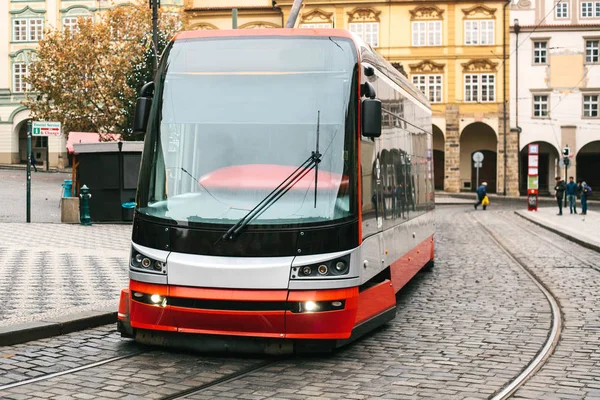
[[84, 215]]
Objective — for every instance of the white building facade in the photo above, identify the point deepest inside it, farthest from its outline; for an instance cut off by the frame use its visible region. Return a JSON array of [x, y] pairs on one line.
[[22, 25], [555, 86]]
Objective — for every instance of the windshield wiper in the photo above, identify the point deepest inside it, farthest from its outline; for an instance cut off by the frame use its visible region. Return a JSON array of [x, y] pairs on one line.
[[311, 162]]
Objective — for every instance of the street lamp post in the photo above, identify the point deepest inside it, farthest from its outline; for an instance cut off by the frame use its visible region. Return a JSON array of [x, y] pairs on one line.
[[517, 28], [154, 4]]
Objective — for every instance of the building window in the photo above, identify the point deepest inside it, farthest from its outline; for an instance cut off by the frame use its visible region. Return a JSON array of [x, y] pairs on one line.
[[368, 31], [562, 10], [480, 88], [540, 52], [316, 26], [587, 9], [70, 23], [590, 9], [540, 106], [20, 30], [590, 106], [487, 32], [591, 51], [31, 29], [479, 32], [427, 33], [430, 85], [19, 74]]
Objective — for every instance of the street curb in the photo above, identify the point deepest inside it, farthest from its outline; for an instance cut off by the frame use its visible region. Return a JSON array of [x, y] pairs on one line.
[[16, 334], [572, 238]]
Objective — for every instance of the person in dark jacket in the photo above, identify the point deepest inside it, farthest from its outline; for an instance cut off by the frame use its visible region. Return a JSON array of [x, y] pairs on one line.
[[481, 193], [572, 195], [32, 157], [585, 192], [559, 191]]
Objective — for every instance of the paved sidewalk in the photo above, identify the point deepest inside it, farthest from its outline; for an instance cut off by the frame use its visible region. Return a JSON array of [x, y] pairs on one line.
[[582, 229], [49, 271]]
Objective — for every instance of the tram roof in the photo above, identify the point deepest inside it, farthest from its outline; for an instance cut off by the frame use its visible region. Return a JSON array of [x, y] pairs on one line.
[[263, 32]]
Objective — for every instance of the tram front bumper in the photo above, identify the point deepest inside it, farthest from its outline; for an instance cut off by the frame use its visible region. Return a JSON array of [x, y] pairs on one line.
[[271, 314]]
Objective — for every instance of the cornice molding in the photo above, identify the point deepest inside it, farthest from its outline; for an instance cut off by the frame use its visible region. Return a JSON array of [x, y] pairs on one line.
[[479, 9], [479, 65], [364, 14], [426, 66], [25, 9], [317, 15], [203, 26], [426, 12], [259, 25]]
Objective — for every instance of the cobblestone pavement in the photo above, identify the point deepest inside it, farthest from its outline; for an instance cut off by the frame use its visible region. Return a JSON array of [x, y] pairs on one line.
[[46, 191], [47, 270], [462, 331], [573, 371]]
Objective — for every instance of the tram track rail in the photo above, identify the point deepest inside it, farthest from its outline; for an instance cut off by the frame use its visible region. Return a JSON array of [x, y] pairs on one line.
[[224, 379], [556, 324], [70, 371]]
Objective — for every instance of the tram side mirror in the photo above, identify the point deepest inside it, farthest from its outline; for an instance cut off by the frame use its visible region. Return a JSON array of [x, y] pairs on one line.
[[142, 108], [371, 118], [367, 90]]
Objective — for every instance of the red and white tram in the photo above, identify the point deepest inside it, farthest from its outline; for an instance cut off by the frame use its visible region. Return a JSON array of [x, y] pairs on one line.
[[285, 192]]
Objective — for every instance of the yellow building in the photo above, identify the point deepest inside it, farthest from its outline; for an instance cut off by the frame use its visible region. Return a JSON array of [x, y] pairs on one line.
[[452, 50]]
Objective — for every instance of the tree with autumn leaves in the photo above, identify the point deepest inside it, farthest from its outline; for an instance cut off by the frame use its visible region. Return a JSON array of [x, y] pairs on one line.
[[89, 78]]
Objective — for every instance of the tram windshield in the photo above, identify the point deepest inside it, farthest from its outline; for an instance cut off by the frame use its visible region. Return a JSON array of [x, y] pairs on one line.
[[233, 117]]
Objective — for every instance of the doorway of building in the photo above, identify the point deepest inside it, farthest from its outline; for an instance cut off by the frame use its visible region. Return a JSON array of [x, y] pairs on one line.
[[487, 172], [478, 137], [588, 164]]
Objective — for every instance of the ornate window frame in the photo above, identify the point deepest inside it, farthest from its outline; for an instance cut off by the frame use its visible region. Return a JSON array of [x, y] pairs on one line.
[[317, 18], [26, 57], [26, 14]]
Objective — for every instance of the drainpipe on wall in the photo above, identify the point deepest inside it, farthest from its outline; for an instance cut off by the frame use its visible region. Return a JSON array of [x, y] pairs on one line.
[[277, 8], [504, 86]]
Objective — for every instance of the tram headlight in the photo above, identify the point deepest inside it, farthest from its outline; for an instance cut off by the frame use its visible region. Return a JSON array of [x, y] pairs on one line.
[[151, 299], [340, 266], [145, 263], [312, 306], [324, 269]]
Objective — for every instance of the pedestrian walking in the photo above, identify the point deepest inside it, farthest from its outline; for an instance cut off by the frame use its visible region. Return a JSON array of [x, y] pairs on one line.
[[586, 191], [32, 156], [481, 195], [572, 195], [559, 191]]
